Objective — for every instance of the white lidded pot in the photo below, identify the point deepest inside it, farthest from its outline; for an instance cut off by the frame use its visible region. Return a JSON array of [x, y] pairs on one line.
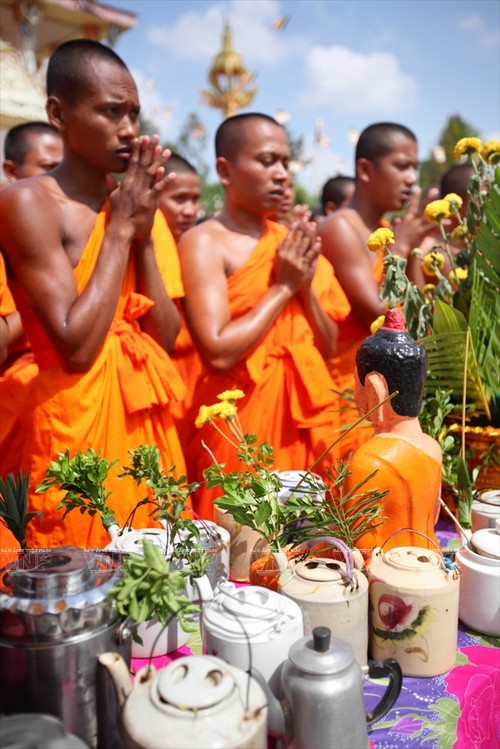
[[251, 627], [196, 702], [414, 608], [479, 564], [485, 510], [156, 638], [331, 595]]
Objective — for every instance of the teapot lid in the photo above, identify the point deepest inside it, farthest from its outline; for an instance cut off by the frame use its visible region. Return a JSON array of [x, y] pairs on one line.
[[414, 558], [486, 541], [194, 683], [322, 653], [49, 590], [130, 541], [320, 570], [251, 611]]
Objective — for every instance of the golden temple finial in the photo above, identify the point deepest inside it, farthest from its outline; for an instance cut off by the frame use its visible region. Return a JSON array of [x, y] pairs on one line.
[[229, 79]]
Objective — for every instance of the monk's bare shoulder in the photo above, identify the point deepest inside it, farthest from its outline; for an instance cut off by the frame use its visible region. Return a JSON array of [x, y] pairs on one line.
[[30, 215], [342, 235]]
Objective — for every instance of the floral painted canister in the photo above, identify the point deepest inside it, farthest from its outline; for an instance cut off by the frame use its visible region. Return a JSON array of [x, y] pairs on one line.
[[414, 600]]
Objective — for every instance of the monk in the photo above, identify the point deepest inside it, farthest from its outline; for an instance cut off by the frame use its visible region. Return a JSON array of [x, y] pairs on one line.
[[336, 193], [407, 461], [455, 180], [180, 204], [259, 304], [30, 148], [94, 289], [386, 163]]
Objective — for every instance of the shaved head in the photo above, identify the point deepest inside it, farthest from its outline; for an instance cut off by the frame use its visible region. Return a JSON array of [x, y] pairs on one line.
[[232, 133], [377, 140], [69, 64]]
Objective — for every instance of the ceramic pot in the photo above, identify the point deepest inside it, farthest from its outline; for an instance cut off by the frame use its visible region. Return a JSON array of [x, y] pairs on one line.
[[328, 599], [413, 609], [242, 544], [251, 627], [479, 564], [485, 508], [196, 702]]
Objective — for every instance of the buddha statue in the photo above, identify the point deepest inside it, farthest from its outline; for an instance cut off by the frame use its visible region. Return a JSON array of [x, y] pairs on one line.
[[407, 461]]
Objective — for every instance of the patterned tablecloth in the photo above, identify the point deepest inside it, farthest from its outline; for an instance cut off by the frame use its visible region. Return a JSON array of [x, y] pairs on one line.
[[458, 710]]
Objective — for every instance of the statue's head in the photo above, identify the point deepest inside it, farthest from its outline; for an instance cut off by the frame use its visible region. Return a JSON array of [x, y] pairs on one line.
[[394, 354]]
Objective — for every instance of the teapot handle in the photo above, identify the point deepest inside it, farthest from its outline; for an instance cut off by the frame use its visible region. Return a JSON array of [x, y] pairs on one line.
[[379, 670]]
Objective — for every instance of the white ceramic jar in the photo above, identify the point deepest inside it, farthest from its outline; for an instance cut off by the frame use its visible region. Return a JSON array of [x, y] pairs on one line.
[[479, 563], [251, 627]]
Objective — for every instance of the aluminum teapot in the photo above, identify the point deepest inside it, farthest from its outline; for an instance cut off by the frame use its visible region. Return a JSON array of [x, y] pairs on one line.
[[322, 686], [196, 702]]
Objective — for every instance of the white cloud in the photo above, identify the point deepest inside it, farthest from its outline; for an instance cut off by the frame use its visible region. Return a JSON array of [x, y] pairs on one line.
[[197, 35], [477, 27], [346, 81], [154, 106]]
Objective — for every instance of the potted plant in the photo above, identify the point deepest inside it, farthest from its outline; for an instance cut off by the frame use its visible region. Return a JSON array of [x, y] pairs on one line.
[[82, 478], [253, 496], [14, 506]]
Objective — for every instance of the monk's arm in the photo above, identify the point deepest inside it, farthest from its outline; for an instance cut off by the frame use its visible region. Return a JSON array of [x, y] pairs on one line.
[[341, 246], [325, 329], [76, 324], [163, 321], [223, 341]]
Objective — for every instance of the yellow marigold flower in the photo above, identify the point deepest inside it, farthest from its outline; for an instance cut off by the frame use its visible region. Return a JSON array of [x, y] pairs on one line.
[[466, 146], [377, 323], [231, 395], [459, 274], [380, 238], [459, 233], [429, 289], [454, 200], [437, 210], [432, 261], [491, 151], [224, 410], [204, 415]]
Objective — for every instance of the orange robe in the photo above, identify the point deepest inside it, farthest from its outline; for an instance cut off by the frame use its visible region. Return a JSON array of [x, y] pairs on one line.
[[288, 399], [343, 366], [190, 367], [119, 404], [413, 479]]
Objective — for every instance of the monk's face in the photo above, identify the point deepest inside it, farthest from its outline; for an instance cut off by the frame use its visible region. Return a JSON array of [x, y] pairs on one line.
[[180, 202], [44, 153], [100, 126], [258, 176], [392, 177]]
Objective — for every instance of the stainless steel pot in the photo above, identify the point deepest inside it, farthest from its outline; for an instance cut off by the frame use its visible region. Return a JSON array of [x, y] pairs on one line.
[[55, 620]]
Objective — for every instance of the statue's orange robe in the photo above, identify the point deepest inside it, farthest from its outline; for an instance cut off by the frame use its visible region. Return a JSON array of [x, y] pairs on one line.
[[413, 479], [288, 400], [119, 404], [343, 366]]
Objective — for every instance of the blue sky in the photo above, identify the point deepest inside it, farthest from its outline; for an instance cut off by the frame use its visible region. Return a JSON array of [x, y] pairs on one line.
[[344, 63]]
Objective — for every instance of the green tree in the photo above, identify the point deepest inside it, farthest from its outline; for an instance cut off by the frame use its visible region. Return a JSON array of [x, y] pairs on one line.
[[431, 170]]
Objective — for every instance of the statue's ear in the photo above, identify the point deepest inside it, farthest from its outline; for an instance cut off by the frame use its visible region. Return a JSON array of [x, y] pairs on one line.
[[376, 390]]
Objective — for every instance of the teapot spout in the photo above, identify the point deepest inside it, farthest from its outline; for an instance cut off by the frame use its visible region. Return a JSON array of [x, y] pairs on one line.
[[277, 723], [117, 670]]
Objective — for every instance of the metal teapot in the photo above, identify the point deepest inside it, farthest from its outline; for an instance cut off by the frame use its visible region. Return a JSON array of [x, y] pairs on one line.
[[55, 619], [322, 686], [196, 702]]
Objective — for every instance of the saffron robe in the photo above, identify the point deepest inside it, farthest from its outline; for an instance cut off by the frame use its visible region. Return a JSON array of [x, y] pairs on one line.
[[413, 479], [288, 400], [343, 367], [121, 402]]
